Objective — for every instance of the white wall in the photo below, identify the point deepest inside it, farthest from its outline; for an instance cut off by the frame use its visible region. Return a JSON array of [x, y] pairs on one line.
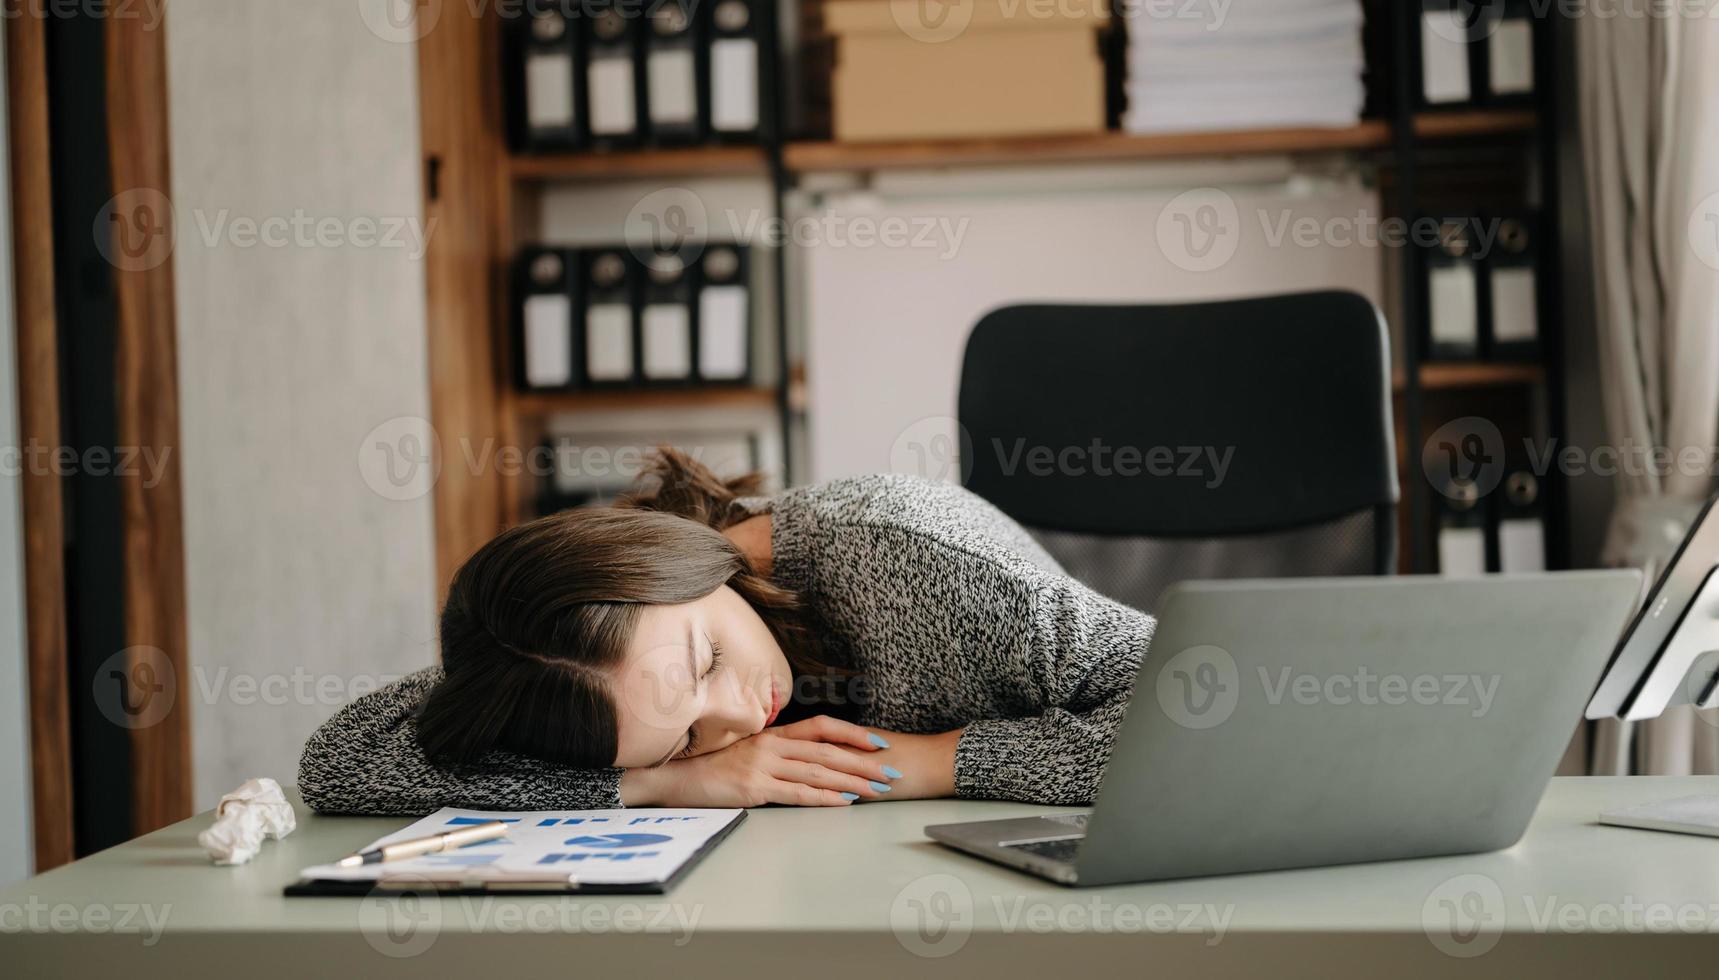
[[887, 325], [15, 844], [304, 583]]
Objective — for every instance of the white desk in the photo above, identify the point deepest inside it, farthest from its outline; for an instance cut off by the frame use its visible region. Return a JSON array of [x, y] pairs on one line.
[[840, 893]]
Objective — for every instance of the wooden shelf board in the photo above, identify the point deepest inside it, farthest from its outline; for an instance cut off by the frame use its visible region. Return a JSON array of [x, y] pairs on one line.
[[550, 402], [691, 161], [1371, 134], [1474, 122], [1451, 375]]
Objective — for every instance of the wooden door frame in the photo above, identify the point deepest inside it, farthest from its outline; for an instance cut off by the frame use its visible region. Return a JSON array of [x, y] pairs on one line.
[[465, 183], [146, 388], [147, 410], [39, 424]]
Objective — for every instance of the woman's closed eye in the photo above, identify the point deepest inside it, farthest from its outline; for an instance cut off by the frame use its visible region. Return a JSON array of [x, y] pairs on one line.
[[715, 665]]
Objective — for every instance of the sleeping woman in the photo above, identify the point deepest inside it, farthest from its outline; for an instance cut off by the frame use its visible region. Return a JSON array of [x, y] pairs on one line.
[[872, 638]]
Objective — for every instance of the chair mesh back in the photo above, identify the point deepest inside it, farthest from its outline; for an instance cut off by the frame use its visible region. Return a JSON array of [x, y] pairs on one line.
[[1135, 571]]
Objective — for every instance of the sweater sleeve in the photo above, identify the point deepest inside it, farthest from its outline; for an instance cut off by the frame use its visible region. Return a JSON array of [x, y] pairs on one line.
[[366, 760], [1083, 654]]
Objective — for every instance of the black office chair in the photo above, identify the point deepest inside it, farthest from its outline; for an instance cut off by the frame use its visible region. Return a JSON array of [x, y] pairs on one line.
[[1294, 390]]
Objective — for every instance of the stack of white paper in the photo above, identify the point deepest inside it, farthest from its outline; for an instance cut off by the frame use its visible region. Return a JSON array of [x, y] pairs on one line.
[[1244, 64]]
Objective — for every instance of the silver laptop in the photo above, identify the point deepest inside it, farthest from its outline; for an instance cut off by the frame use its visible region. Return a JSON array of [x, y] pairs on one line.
[[1305, 722]]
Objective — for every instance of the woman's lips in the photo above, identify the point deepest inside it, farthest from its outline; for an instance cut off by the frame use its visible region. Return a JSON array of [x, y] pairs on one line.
[[775, 704]]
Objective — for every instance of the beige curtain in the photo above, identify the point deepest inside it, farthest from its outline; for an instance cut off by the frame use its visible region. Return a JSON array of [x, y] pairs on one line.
[[1649, 103]]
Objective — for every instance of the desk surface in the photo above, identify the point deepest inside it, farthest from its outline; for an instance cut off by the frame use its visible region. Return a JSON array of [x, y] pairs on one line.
[[860, 890]]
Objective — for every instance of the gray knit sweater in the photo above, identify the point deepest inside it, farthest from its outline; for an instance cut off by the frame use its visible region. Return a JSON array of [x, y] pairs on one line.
[[953, 614]]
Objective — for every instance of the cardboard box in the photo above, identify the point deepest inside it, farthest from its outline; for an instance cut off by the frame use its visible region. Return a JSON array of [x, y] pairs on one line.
[[931, 69]]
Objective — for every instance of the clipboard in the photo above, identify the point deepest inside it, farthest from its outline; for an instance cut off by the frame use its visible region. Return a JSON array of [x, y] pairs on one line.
[[547, 882]]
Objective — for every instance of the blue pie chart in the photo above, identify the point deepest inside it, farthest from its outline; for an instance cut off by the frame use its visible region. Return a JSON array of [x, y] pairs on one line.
[[619, 840]]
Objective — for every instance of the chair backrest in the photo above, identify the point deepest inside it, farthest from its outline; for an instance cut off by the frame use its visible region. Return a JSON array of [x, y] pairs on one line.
[[1144, 445]]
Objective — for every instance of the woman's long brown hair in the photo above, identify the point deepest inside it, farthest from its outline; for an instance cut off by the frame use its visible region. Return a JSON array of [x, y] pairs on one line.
[[537, 619]]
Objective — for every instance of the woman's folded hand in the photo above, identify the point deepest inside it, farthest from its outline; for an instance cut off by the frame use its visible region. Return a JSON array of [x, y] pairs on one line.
[[820, 761]]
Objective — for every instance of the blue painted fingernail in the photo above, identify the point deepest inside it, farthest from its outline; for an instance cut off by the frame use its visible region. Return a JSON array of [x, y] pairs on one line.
[[880, 787], [850, 797], [877, 740], [892, 772]]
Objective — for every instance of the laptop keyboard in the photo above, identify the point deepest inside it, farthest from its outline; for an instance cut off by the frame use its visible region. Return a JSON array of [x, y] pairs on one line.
[[1057, 850]]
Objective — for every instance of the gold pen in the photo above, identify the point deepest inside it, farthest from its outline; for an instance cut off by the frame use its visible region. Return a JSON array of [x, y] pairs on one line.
[[419, 846]]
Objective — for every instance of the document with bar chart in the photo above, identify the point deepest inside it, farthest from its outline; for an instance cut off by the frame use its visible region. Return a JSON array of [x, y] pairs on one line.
[[643, 850]]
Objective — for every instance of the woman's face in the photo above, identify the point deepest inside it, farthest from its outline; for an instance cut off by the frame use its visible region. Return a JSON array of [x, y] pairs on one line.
[[697, 677]]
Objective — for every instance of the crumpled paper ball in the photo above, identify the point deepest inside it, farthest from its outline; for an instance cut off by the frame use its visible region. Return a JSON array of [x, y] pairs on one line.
[[244, 818]]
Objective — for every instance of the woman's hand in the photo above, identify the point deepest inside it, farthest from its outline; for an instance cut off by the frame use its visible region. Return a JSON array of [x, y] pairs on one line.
[[809, 763], [926, 764]]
